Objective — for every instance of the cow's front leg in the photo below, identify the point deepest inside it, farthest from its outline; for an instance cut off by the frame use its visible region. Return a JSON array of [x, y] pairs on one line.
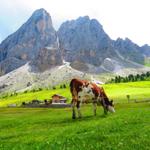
[[105, 111], [73, 109], [78, 108], [94, 106], [104, 106]]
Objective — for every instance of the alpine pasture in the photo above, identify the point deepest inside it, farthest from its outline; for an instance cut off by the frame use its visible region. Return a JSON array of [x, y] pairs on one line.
[[53, 129]]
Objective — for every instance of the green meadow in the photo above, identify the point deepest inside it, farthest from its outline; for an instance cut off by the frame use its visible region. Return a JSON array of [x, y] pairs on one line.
[[53, 129], [118, 92]]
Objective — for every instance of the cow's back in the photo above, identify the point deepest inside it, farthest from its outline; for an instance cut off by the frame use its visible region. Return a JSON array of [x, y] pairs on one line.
[[96, 89]]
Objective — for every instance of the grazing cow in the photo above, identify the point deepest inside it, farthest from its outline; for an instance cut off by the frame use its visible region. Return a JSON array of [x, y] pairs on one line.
[[81, 89]]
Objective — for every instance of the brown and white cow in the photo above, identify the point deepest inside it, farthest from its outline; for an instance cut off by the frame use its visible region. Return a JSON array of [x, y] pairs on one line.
[[81, 89]]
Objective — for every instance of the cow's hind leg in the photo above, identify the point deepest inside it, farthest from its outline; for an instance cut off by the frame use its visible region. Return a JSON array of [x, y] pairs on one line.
[[78, 108], [73, 109]]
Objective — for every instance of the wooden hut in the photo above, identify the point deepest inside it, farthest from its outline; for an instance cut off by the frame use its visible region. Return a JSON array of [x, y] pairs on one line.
[[58, 99]]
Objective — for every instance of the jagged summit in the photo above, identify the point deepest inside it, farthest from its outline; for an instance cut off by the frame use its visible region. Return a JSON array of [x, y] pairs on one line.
[[24, 45], [40, 14], [84, 40]]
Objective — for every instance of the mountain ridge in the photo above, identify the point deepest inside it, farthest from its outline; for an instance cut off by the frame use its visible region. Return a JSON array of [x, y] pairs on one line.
[[80, 40]]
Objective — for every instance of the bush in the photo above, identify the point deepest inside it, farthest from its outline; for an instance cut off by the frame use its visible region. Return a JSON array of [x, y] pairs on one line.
[[131, 78], [64, 86], [54, 88]]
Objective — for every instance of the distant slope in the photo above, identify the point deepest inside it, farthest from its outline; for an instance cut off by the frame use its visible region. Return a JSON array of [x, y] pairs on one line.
[[26, 78]]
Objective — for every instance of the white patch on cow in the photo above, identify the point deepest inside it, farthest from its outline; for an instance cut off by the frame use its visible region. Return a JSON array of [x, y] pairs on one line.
[[111, 109], [85, 93], [88, 90]]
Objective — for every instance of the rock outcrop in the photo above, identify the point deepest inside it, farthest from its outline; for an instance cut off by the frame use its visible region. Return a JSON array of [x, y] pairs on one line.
[[47, 58], [129, 50]]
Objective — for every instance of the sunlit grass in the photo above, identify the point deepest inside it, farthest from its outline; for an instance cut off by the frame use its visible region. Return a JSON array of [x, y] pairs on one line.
[[53, 129]]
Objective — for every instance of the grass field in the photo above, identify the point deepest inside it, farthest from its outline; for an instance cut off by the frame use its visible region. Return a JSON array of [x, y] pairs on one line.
[[53, 129], [117, 92]]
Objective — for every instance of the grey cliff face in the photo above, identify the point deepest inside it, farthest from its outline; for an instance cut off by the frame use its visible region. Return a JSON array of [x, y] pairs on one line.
[[129, 50], [47, 58], [24, 45], [84, 40]]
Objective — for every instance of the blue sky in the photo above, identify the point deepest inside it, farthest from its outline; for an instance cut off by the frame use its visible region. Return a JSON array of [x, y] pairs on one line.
[[120, 18]]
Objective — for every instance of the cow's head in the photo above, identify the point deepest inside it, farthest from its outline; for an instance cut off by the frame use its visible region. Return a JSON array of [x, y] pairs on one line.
[[110, 106]]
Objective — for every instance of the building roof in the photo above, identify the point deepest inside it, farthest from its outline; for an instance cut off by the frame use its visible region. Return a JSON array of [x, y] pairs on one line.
[[58, 96]]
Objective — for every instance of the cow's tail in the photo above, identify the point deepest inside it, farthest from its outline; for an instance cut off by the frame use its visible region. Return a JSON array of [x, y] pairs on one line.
[[71, 86], [72, 89]]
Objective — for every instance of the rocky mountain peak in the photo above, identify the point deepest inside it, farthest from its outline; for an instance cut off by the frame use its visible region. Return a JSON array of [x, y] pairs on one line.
[[41, 19], [24, 45], [40, 12], [81, 18], [84, 40]]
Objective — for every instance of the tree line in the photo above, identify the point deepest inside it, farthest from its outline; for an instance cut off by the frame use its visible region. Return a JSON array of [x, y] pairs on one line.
[[131, 78]]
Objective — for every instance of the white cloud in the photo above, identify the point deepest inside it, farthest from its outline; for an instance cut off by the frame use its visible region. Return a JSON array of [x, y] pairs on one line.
[[120, 18]]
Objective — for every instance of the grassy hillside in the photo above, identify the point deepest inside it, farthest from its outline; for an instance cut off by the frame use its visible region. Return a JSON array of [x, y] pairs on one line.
[[40, 95], [117, 92], [147, 64], [136, 90], [53, 129], [147, 61]]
